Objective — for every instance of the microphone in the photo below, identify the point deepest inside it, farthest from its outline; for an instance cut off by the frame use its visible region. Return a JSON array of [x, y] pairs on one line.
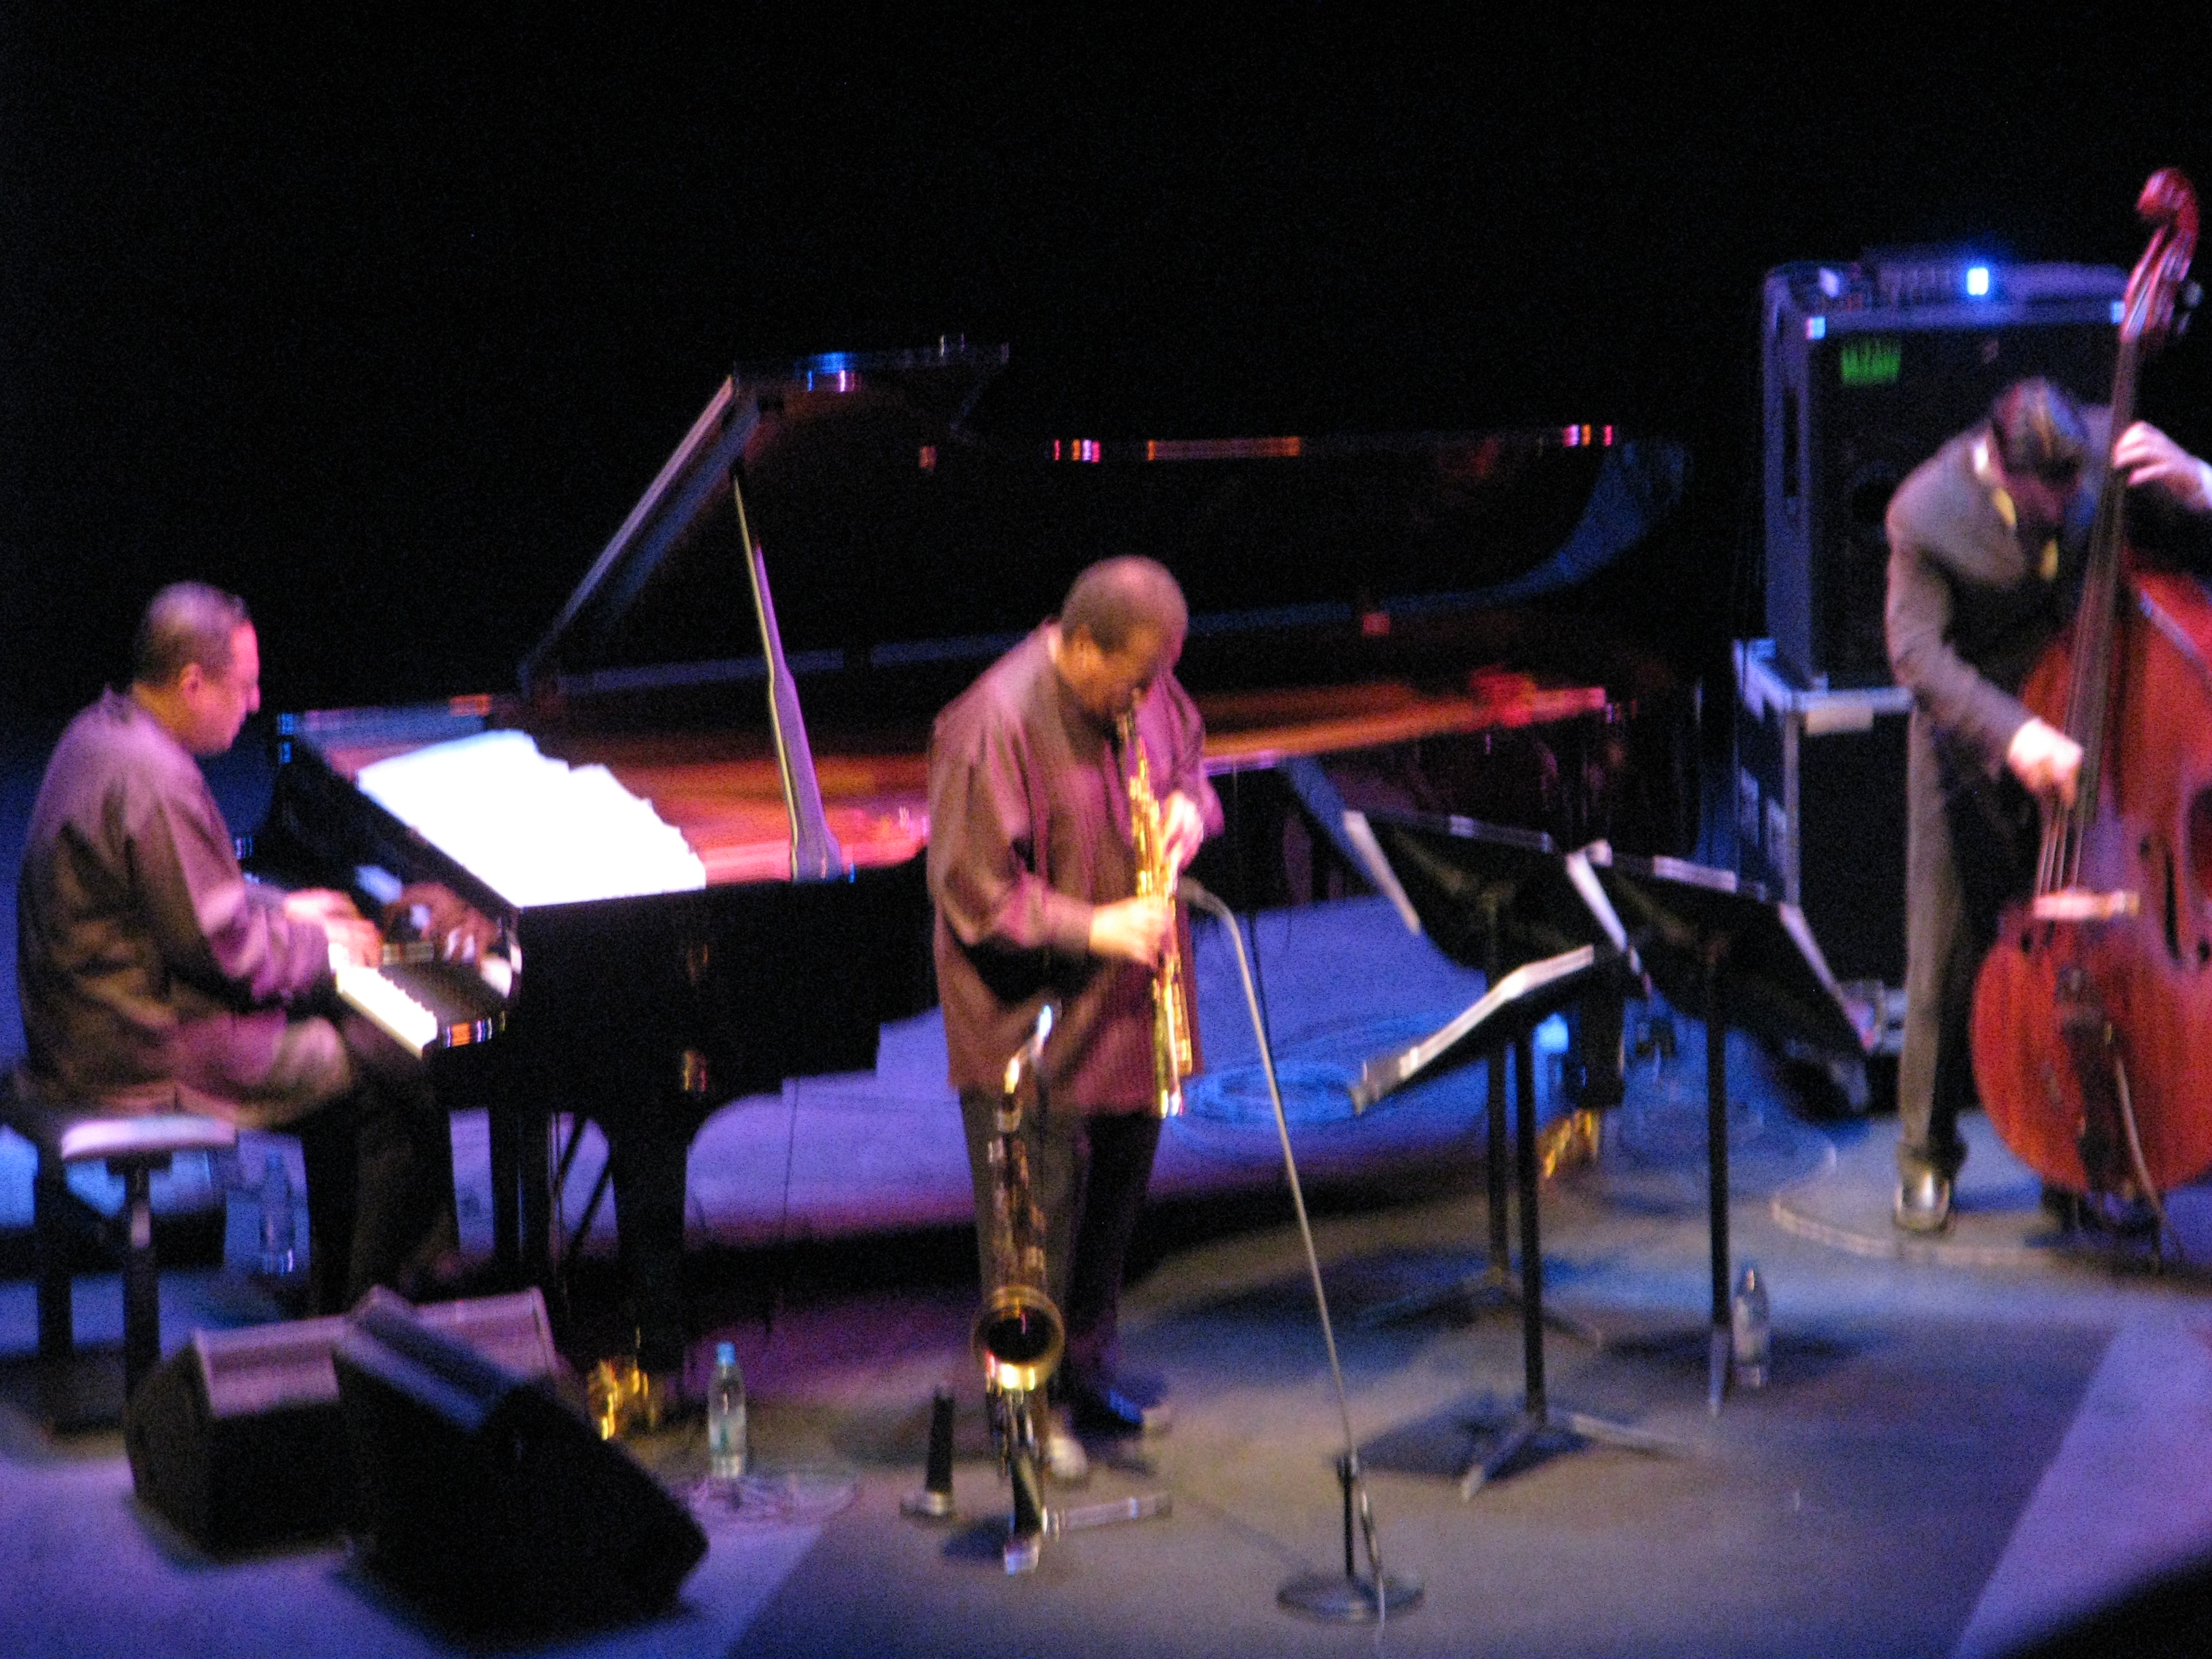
[[1187, 887]]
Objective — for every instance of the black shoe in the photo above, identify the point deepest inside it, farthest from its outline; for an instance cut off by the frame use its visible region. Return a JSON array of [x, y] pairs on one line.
[[2119, 1217], [1103, 1409], [2106, 1214], [1924, 1203]]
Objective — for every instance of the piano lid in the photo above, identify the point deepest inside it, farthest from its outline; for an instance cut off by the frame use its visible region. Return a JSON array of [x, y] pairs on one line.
[[901, 532], [864, 403]]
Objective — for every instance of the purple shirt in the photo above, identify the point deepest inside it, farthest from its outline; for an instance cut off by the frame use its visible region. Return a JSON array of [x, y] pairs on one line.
[[1028, 832], [152, 973]]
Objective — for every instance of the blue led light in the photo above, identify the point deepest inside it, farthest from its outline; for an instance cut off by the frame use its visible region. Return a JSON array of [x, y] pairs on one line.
[[1978, 282], [2119, 312], [1816, 328]]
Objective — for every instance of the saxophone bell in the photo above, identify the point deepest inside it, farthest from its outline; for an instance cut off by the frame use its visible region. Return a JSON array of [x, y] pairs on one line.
[[1019, 1339]]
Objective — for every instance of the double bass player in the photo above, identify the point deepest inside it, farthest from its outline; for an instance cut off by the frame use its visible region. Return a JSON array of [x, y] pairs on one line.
[[1987, 539]]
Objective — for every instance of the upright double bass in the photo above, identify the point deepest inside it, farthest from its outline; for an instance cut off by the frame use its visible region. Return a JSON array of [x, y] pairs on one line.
[[2093, 1015]]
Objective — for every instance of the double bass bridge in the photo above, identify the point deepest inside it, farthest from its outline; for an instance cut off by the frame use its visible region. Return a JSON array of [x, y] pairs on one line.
[[2079, 904]]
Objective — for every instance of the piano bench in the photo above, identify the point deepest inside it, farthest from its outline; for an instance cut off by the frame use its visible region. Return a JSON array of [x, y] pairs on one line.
[[133, 1148]]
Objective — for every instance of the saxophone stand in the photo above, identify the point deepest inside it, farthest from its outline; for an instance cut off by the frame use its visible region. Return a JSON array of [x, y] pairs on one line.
[[1356, 1598], [1722, 947]]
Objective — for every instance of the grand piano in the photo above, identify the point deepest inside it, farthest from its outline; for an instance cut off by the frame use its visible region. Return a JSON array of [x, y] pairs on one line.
[[1376, 621]]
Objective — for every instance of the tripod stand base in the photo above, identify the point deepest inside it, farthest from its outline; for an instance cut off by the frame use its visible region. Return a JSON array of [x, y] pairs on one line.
[[1493, 1290], [1525, 1432], [1334, 1599], [1025, 1544]]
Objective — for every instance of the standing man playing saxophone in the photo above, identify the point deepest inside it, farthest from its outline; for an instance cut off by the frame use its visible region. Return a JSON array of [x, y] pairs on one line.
[[1032, 870]]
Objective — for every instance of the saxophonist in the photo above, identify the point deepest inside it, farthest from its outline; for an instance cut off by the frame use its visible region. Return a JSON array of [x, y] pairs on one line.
[[1032, 869]]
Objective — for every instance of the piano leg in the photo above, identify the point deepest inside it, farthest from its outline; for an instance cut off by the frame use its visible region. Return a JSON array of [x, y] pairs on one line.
[[533, 1151], [649, 1146], [506, 1166], [521, 1177]]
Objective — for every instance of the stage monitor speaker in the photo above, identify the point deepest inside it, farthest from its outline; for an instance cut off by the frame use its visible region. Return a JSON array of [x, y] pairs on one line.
[[491, 1501], [236, 1439], [1868, 369]]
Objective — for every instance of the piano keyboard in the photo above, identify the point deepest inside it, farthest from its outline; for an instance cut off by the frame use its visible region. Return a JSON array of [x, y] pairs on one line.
[[423, 1005]]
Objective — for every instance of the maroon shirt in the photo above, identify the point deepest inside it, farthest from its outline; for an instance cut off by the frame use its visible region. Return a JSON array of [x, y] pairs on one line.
[[153, 975], [1028, 832]]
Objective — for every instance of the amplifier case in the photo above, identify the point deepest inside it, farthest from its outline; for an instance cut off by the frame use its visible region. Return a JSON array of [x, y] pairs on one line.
[[491, 1501], [1820, 817], [237, 1440], [1867, 368]]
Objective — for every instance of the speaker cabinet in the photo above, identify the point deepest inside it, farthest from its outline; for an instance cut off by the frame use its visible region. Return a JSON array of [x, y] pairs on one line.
[[491, 1501], [236, 1440], [1868, 369]]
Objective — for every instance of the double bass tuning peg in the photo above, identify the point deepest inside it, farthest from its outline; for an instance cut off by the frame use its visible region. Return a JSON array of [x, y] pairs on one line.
[[2184, 306]]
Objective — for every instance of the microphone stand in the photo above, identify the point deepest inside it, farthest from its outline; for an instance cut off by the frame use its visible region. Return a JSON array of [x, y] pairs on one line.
[[1353, 1598]]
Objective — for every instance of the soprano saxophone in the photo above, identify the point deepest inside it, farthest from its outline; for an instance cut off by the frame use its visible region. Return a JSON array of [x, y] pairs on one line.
[[1173, 1057]]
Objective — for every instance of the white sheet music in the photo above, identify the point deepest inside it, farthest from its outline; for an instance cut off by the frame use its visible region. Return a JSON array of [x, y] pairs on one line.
[[538, 830]]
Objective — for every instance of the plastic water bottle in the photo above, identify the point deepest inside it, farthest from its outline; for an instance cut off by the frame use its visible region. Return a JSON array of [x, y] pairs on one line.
[[276, 1217], [726, 1450], [1752, 1335]]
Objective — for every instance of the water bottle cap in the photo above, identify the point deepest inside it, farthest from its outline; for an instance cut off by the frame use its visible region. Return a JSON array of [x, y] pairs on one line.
[[726, 1354]]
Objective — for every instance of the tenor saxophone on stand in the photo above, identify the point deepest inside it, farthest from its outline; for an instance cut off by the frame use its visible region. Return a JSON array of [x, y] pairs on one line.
[[1174, 1058]]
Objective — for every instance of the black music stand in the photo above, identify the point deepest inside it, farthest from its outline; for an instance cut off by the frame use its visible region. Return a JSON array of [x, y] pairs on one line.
[[1559, 895], [1491, 898], [1722, 947]]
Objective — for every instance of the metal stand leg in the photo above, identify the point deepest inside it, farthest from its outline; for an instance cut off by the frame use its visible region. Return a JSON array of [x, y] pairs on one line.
[[1031, 1522], [1493, 1290], [1718, 1352], [50, 1236], [1353, 1599], [142, 1285], [1536, 1423]]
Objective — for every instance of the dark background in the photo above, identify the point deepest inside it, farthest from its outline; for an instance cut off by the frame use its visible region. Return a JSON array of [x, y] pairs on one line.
[[385, 323]]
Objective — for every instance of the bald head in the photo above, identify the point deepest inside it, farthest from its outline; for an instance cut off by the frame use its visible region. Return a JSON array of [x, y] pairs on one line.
[[185, 624], [1116, 597], [196, 665], [1121, 630]]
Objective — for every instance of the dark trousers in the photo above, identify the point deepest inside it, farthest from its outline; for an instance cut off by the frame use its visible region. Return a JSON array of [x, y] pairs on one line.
[[1088, 1175], [379, 1161], [1950, 920]]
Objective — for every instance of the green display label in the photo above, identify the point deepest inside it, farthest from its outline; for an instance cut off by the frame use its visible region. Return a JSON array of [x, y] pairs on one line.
[[1874, 360]]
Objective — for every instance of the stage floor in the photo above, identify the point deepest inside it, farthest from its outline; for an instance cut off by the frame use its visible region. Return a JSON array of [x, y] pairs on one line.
[[1962, 1443], [1959, 1444]]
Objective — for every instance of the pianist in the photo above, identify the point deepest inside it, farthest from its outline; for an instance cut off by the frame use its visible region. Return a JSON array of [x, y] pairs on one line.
[[156, 978], [1032, 872]]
